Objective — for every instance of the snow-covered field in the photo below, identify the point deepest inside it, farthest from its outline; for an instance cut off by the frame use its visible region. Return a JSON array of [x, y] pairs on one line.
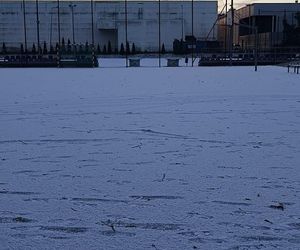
[[149, 158]]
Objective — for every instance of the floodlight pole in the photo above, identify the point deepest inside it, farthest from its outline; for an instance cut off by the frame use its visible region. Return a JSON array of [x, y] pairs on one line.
[[24, 26], [73, 25], [126, 35], [51, 24], [37, 24], [159, 36], [181, 22], [226, 31], [192, 33], [231, 32], [92, 16], [58, 22]]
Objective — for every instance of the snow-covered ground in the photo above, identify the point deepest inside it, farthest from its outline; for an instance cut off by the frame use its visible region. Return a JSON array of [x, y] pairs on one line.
[[149, 158]]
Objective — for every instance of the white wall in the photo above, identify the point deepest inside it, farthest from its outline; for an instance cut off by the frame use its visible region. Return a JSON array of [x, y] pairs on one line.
[[142, 22]]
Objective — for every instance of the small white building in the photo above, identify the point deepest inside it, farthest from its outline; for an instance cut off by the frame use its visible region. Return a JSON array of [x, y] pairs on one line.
[[18, 22]]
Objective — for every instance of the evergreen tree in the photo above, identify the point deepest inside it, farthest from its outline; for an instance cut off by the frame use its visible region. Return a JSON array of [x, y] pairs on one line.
[[56, 47], [51, 49], [133, 49], [122, 50], [176, 45], [98, 49], [104, 51], [109, 50], [63, 45], [291, 32], [4, 50], [163, 50], [127, 48], [22, 48], [39, 49], [80, 48], [181, 48], [45, 51], [86, 47], [69, 47], [33, 49]]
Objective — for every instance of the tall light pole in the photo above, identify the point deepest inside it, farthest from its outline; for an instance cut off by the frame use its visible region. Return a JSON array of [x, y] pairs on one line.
[[226, 30], [126, 35], [51, 21], [37, 24], [24, 26], [73, 27], [181, 22], [231, 32], [92, 17], [51, 24], [192, 33], [115, 26], [58, 22], [159, 36]]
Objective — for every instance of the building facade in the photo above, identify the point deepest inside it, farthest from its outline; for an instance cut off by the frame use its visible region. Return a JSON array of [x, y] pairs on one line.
[[30, 22], [273, 20]]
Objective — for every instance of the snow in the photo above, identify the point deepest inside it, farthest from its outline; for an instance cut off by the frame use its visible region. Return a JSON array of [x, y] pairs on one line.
[[149, 158]]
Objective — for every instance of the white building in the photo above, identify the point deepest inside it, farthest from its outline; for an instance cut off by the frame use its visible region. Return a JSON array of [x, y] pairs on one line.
[[18, 22]]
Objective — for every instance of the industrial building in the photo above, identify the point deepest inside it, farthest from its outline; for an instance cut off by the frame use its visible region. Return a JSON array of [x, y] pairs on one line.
[[278, 25], [103, 22]]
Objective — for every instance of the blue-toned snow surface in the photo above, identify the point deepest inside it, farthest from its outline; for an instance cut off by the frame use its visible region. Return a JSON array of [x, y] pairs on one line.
[[150, 158]]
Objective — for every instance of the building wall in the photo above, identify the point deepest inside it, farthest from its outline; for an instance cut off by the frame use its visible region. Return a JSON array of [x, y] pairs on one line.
[[276, 12], [248, 15], [109, 22]]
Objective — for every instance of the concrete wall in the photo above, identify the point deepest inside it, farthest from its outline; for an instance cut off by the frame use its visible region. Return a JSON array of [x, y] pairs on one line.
[[109, 22]]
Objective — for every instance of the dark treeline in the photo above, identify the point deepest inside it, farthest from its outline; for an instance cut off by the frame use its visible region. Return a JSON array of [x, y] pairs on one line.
[[291, 32], [68, 47]]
